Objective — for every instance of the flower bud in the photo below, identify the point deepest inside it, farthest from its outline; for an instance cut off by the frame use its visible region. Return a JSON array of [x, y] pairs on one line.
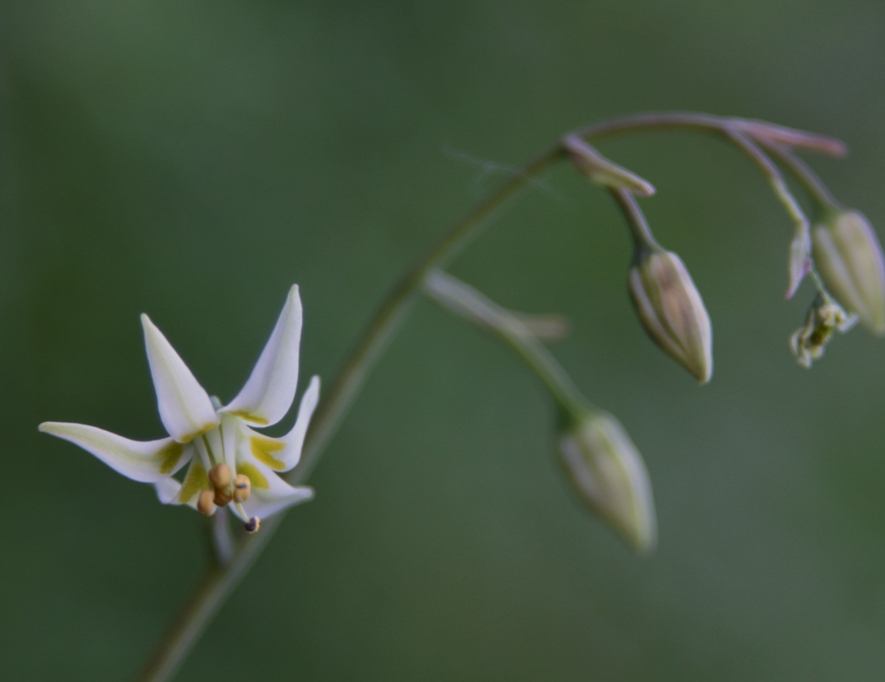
[[799, 263], [609, 475], [671, 310], [849, 257]]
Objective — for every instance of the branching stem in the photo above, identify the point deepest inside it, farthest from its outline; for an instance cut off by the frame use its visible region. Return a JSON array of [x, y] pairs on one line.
[[219, 580]]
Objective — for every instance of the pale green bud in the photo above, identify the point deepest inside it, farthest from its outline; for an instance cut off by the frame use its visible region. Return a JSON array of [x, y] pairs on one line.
[[849, 257], [609, 475], [671, 310]]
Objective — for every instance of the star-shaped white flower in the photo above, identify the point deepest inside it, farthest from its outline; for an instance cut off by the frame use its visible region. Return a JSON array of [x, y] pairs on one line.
[[230, 462]]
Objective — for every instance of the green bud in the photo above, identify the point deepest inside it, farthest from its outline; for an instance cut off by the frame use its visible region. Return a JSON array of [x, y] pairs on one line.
[[671, 310], [609, 475], [849, 257], [800, 260]]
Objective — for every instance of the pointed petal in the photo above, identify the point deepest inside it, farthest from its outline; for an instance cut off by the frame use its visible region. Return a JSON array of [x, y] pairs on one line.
[[270, 493], [281, 454], [144, 461], [167, 490], [184, 405], [295, 438], [270, 389]]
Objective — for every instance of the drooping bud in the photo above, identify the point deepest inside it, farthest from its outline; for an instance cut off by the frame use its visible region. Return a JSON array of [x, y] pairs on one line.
[[609, 475], [799, 262], [242, 488], [220, 475], [824, 317], [849, 257], [206, 503], [671, 310], [603, 171]]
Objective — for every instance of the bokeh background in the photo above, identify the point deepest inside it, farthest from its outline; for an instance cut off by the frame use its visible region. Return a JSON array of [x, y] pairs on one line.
[[192, 159]]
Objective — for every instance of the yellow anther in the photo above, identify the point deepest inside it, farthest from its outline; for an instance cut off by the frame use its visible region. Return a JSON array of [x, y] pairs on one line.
[[222, 497], [242, 488], [220, 475], [206, 502], [253, 524]]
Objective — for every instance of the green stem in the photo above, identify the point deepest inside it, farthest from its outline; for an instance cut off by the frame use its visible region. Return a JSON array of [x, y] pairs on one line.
[[773, 175], [718, 125], [466, 301], [218, 581], [809, 180], [642, 236]]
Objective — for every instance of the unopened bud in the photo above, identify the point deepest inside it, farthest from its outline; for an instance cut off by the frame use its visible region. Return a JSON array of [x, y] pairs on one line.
[[799, 263], [206, 503], [824, 317], [220, 475], [609, 475], [671, 310], [602, 171], [242, 488], [849, 257]]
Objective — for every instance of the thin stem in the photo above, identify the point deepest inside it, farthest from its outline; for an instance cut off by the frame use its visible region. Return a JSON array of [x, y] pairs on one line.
[[639, 228], [809, 180], [466, 301], [772, 174], [717, 125]]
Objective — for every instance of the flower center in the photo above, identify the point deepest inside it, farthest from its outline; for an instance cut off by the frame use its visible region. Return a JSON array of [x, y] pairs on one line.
[[225, 487]]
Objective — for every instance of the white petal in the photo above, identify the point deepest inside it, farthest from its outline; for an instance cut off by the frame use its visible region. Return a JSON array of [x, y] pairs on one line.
[[281, 454], [145, 461], [184, 405], [270, 493], [295, 438], [167, 490], [270, 389]]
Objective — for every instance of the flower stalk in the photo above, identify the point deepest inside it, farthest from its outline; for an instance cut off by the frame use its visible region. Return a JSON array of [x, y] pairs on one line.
[[598, 456]]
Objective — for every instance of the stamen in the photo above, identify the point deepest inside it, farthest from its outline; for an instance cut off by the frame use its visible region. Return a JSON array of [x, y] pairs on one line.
[[220, 475], [253, 525], [205, 440], [206, 503], [242, 488], [222, 497]]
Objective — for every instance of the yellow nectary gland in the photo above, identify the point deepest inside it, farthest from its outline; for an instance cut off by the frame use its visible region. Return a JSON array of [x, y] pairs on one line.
[[206, 502]]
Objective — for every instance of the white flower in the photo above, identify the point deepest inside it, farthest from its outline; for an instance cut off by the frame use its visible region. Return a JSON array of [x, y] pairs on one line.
[[230, 462]]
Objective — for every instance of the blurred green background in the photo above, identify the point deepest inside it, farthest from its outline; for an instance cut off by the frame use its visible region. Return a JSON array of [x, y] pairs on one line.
[[192, 159]]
